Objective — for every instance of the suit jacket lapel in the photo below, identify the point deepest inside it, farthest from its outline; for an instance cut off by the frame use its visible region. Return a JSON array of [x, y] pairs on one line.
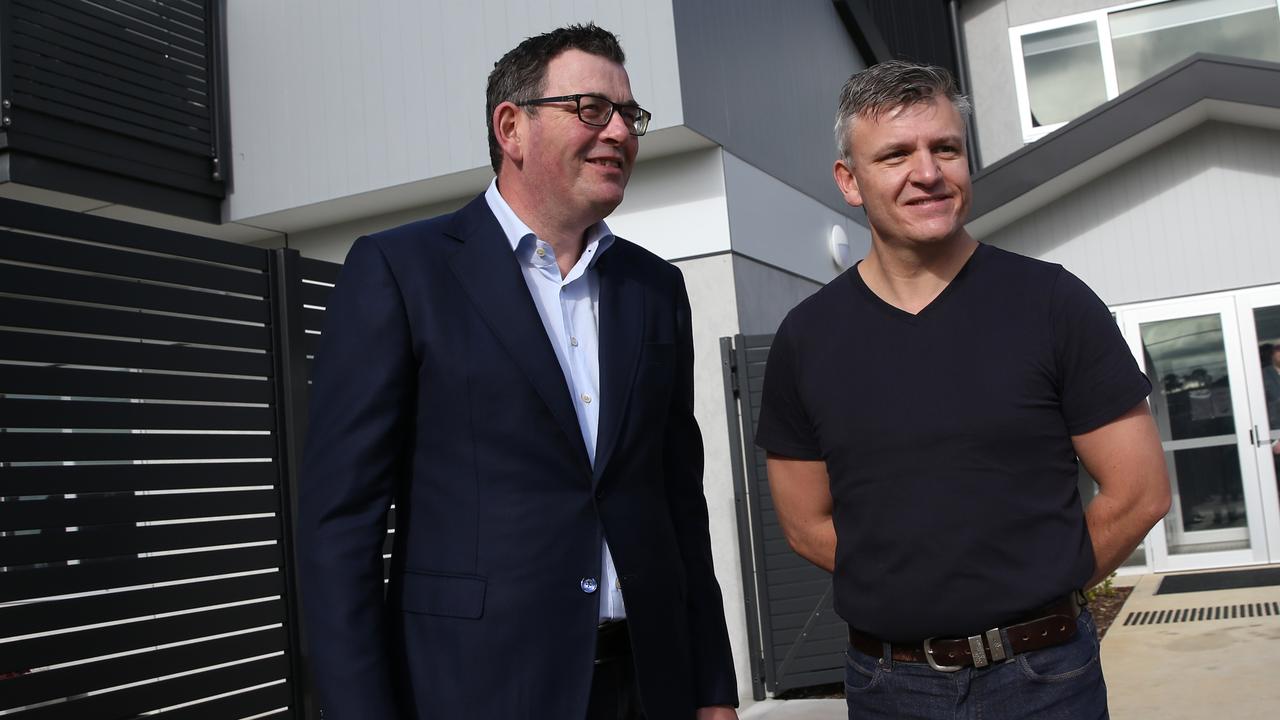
[[488, 271], [621, 331]]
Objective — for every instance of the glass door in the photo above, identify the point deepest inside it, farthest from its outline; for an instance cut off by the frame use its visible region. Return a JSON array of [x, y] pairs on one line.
[[1259, 311], [1192, 352]]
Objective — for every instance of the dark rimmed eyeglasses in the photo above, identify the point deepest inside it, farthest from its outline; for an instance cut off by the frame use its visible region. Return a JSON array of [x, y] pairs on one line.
[[598, 111]]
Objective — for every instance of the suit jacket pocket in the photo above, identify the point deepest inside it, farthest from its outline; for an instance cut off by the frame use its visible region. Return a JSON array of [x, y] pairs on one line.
[[460, 596]]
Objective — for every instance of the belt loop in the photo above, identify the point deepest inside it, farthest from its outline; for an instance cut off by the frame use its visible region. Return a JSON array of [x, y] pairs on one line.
[[1004, 635], [886, 657]]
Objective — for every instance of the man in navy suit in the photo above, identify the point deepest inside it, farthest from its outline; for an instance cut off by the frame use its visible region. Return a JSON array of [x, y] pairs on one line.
[[519, 382]]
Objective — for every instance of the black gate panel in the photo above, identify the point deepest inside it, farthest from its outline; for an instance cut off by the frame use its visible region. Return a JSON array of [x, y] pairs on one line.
[[152, 386], [796, 639]]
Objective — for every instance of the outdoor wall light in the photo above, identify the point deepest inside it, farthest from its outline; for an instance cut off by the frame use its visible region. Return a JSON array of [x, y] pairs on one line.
[[838, 244]]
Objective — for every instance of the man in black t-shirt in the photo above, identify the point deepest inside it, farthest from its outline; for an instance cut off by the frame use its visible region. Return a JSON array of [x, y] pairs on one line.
[[923, 415]]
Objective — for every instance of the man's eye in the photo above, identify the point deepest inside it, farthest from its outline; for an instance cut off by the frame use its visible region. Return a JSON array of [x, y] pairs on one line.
[[630, 114], [593, 108]]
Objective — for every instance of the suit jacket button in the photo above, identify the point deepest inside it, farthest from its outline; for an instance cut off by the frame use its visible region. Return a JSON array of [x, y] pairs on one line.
[[588, 585]]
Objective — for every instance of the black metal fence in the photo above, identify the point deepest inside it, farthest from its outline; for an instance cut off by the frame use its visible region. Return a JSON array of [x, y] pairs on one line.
[[152, 401], [795, 638]]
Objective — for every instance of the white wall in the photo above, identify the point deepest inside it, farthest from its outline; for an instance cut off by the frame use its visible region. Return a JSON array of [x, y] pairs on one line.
[[674, 207], [1199, 214], [331, 98]]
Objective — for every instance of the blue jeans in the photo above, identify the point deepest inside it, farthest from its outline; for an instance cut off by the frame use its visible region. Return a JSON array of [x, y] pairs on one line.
[[1061, 682]]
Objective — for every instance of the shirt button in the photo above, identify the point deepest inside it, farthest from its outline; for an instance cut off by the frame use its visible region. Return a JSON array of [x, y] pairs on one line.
[[541, 252], [586, 398], [573, 341], [588, 585]]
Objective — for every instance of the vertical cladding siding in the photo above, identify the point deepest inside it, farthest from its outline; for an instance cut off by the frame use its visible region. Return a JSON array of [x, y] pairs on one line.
[[1197, 214], [918, 30], [331, 98]]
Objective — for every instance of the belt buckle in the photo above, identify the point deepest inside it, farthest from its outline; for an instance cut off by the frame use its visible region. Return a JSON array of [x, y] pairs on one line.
[[928, 656]]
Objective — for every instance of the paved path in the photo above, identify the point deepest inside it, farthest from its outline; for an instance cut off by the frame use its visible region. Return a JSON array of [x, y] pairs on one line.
[[1180, 667], [1191, 668]]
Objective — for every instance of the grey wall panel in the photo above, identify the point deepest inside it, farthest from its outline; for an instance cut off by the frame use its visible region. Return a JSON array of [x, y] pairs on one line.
[[761, 78], [778, 225], [1022, 12], [995, 102], [1198, 214], [766, 294]]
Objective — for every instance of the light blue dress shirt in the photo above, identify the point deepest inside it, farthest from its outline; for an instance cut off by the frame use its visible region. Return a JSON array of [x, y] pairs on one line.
[[569, 307]]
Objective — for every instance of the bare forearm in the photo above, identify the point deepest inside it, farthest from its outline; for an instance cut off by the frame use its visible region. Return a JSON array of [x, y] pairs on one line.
[[1126, 460], [1115, 530], [816, 543]]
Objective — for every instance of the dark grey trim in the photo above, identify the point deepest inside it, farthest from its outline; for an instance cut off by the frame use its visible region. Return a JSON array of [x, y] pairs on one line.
[[962, 76], [729, 364], [863, 30], [1198, 78], [51, 174]]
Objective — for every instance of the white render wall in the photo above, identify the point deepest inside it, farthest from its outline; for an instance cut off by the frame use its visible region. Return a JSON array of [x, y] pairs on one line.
[[333, 98], [674, 207], [710, 281], [1199, 214]]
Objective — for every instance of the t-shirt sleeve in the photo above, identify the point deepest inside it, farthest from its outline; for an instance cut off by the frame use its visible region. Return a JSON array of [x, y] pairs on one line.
[[785, 427], [1099, 379]]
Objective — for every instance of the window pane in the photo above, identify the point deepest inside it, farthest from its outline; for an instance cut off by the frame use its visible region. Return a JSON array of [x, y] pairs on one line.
[[1064, 73], [1149, 39]]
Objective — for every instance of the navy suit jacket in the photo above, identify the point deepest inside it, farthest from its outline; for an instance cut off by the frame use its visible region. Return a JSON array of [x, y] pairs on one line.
[[436, 388]]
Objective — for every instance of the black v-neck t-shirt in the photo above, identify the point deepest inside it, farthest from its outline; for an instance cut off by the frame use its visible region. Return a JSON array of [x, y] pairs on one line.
[[947, 438]]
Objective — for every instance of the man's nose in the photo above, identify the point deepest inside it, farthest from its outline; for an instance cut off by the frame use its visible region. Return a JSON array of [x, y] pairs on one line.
[[924, 168], [616, 129]]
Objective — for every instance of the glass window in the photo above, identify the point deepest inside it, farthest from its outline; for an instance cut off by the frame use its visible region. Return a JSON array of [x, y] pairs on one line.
[[1074, 67], [1149, 39], [1064, 72]]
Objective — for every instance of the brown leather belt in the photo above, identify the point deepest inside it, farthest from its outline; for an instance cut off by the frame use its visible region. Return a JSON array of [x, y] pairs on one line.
[[1052, 625]]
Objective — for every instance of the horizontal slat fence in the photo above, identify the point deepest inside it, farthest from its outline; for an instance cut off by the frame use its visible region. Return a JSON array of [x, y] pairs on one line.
[[130, 87], [146, 465]]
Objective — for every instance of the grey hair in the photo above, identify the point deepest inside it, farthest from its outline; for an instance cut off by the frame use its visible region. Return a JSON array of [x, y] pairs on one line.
[[888, 86]]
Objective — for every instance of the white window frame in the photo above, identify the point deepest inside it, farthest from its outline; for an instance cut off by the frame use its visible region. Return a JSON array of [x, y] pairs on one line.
[[1100, 19]]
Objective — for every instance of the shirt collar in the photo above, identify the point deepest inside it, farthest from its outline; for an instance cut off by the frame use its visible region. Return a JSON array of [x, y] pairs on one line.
[[516, 230]]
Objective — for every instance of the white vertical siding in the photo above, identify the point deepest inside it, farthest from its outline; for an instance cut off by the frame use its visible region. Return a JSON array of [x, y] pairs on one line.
[[332, 98], [1199, 214]]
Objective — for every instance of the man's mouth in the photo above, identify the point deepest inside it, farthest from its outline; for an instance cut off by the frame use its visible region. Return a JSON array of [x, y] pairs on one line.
[[928, 199], [607, 162]]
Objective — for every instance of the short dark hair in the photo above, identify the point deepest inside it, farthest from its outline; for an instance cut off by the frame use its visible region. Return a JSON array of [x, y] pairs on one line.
[[521, 74], [890, 85]]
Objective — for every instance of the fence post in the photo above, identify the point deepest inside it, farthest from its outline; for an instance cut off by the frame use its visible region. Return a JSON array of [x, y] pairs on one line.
[[291, 427], [732, 372]]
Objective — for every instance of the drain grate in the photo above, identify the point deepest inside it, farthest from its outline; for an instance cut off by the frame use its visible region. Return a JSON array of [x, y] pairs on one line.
[[1220, 612]]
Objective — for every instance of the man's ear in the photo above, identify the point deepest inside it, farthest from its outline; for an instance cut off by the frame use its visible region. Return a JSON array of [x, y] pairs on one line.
[[509, 130], [847, 182]]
